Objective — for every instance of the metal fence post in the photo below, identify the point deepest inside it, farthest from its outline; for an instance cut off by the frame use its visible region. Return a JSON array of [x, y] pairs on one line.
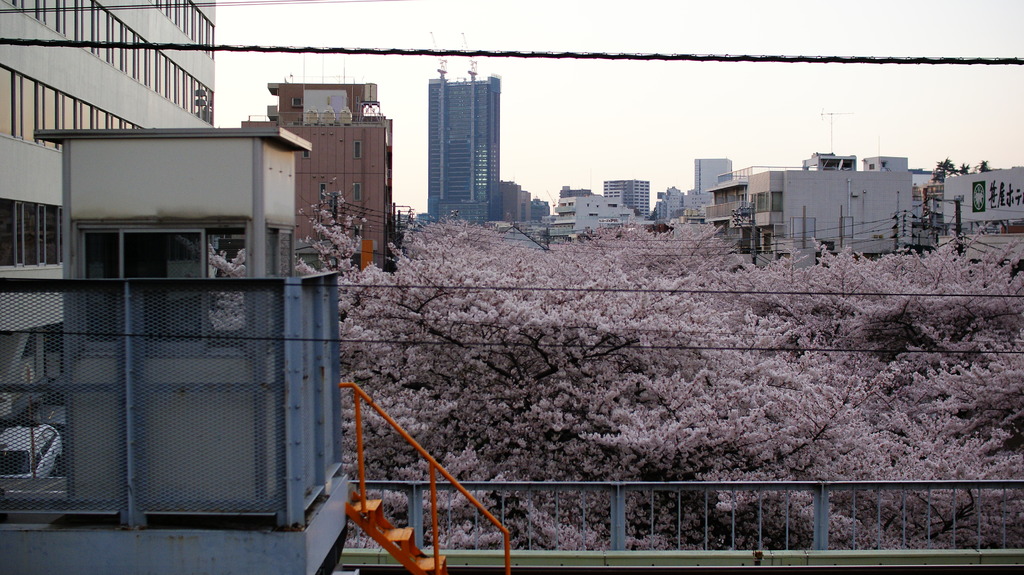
[[293, 363], [416, 511], [131, 516], [821, 511], [618, 517]]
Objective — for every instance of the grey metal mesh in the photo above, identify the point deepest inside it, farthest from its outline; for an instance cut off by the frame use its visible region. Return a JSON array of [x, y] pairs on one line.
[[168, 397]]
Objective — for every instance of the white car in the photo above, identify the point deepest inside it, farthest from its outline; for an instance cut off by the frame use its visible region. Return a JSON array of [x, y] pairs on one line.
[[29, 452]]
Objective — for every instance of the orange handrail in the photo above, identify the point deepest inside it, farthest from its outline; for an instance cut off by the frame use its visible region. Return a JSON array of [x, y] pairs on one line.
[[360, 396]]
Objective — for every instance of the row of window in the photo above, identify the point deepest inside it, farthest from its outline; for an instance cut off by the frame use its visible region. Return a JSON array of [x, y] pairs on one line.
[[85, 20], [27, 106], [188, 18], [30, 234], [357, 151]]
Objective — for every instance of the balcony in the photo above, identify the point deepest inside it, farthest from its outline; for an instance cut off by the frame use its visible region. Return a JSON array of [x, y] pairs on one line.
[[721, 211]]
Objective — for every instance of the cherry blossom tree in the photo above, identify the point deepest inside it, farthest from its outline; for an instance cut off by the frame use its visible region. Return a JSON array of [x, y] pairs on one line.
[[665, 357]]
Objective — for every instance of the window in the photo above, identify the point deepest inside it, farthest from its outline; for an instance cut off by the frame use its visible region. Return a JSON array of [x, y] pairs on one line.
[[305, 153], [297, 102], [357, 192], [6, 232], [162, 255], [357, 149], [144, 254], [279, 249], [26, 238], [6, 102]]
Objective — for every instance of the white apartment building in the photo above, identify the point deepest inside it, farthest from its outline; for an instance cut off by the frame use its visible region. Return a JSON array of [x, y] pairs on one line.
[[779, 212], [47, 88], [633, 193], [580, 214]]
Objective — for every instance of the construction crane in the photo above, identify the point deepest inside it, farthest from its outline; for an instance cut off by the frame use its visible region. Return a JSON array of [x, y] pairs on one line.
[[442, 66], [472, 60]]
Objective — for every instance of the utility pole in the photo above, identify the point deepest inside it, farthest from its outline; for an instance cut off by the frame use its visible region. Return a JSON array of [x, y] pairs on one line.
[[957, 227], [841, 230]]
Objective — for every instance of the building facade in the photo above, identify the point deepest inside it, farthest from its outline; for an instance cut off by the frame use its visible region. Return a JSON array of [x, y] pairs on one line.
[[706, 172], [464, 151], [45, 88], [515, 203], [539, 209], [348, 170], [780, 212], [635, 194], [581, 214]]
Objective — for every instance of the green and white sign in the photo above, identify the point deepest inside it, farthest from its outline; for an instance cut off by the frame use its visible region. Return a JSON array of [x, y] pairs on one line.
[[978, 196]]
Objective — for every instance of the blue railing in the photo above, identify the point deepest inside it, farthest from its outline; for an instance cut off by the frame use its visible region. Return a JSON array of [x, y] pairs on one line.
[[709, 516]]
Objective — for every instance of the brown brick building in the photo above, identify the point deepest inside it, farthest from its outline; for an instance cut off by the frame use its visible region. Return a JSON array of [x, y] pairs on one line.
[[351, 157]]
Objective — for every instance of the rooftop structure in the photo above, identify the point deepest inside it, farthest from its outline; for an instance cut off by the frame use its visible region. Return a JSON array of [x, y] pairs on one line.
[[151, 218]]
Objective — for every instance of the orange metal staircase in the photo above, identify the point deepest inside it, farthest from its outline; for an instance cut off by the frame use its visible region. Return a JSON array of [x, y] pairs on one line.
[[398, 541]]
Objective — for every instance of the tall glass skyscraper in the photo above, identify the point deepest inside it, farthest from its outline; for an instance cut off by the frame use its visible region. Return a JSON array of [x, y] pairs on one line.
[[464, 149]]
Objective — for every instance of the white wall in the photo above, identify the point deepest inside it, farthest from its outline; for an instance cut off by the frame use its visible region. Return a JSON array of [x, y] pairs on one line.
[[129, 179]]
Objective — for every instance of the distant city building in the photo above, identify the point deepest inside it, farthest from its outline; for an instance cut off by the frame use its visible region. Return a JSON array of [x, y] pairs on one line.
[[464, 153], [515, 203], [349, 168], [694, 200], [669, 204], [706, 172], [581, 214], [635, 194], [539, 209], [86, 88], [567, 192]]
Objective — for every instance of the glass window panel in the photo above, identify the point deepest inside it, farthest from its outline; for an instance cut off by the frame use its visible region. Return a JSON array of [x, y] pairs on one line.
[[6, 232], [163, 255], [67, 117], [6, 101], [27, 234], [46, 118], [102, 255], [27, 103], [60, 234]]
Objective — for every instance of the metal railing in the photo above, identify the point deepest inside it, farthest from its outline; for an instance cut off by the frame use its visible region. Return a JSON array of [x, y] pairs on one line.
[[710, 516], [360, 397]]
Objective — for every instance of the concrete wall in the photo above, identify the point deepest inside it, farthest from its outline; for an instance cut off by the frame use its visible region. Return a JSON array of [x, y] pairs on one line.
[[171, 179]]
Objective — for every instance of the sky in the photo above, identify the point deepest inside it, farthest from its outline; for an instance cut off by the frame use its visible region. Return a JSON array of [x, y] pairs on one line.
[[578, 123]]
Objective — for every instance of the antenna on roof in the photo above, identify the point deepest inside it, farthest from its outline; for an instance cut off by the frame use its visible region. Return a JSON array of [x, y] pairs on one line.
[[442, 64], [831, 126], [472, 61]]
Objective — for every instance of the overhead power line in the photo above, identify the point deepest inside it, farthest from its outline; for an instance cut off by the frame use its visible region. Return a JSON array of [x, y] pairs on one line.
[[679, 291], [612, 346], [776, 58], [198, 3]]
